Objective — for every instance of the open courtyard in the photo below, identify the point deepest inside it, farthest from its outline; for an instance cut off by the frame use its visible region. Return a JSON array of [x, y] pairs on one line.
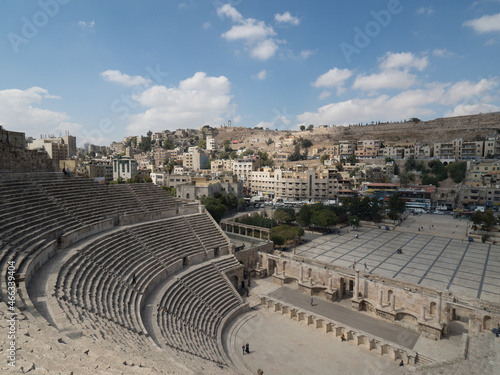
[[435, 253]]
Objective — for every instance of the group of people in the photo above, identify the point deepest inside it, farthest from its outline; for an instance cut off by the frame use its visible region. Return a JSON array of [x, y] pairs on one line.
[[245, 348], [399, 251]]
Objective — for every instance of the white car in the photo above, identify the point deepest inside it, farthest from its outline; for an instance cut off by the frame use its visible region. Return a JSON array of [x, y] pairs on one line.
[[437, 212]]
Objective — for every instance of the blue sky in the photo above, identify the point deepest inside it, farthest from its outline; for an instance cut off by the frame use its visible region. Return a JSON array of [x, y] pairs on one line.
[[104, 70]]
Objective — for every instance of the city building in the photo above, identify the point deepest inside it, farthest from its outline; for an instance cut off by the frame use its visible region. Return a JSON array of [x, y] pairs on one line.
[[124, 167]]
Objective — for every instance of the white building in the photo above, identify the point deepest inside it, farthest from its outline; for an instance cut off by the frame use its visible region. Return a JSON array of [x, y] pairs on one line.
[[124, 167]]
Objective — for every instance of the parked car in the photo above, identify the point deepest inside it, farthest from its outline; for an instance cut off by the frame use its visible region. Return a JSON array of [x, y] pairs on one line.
[[437, 212]]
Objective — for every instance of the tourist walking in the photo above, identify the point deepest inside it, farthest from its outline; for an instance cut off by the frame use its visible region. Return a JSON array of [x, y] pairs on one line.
[[243, 349], [247, 348]]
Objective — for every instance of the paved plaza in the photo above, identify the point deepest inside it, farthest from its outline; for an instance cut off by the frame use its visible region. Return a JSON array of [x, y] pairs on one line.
[[438, 255]]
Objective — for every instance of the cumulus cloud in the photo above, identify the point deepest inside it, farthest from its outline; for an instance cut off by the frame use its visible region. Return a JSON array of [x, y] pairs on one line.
[[485, 24], [286, 18], [124, 79], [197, 100], [463, 97], [472, 109], [324, 94], [403, 60], [261, 75], [389, 79], [227, 10], [442, 53], [306, 53], [333, 78], [206, 25], [21, 110], [86, 25], [257, 36]]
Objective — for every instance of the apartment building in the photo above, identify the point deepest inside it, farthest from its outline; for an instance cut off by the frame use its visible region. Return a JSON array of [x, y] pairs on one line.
[[293, 185], [367, 148], [243, 167], [124, 167]]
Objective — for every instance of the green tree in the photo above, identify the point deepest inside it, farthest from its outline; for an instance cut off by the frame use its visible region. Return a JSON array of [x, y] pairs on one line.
[[302, 128], [457, 171], [168, 144], [351, 159], [323, 158], [284, 215], [310, 127], [488, 220], [406, 177], [396, 206], [410, 164], [304, 215], [324, 218], [354, 221], [306, 143], [202, 143], [214, 207]]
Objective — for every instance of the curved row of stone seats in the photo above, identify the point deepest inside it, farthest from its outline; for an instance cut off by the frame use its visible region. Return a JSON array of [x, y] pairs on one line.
[[207, 231], [169, 239], [90, 200], [152, 196], [108, 277], [193, 307], [28, 223]]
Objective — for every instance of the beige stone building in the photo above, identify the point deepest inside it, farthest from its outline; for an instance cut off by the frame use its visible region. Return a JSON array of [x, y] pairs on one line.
[[322, 184]]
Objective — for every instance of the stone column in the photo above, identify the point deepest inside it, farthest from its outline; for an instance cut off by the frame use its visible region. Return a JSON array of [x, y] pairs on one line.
[[301, 274], [260, 235], [438, 307], [393, 303], [422, 314], [232, 247], [330, 284], [310, 281], [276, 270], [356, 286], [380, 296]]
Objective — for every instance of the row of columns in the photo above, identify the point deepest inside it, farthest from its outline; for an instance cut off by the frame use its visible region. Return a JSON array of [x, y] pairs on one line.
[[233, 226]]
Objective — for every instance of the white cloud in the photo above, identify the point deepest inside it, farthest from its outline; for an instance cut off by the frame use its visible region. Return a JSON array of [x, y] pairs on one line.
[[86, 25], [306, 53], [124, 79], [227, 10], [264, 49], [389, 79], [197, 100], [425, 11], [333, 78], [442, 53], [20, 110], [286, 18], [261, 75], [403, 60], [324, 94], [462, 97], [257, 36], [472, 109], [249, 30], [485, 24], [207, 25]]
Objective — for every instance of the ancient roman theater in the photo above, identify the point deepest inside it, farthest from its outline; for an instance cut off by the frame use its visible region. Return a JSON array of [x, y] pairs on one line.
[[124, 279]]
